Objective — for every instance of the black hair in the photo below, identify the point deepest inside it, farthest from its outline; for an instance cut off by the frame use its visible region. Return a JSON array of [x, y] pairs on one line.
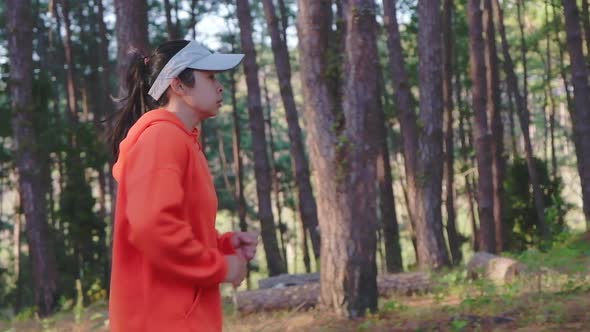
[[140, 76]]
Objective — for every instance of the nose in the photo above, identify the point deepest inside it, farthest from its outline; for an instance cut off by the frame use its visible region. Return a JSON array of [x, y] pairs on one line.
[[219, 88]]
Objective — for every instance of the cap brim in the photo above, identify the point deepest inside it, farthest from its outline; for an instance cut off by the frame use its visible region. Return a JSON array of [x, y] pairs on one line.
[[217, 62]]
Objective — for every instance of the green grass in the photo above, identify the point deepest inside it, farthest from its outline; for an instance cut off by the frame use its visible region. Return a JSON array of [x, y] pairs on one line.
[[553, 296]]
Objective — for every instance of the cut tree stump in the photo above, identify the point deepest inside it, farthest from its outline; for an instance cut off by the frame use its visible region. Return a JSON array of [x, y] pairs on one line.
[[304, 294], [495, 268]]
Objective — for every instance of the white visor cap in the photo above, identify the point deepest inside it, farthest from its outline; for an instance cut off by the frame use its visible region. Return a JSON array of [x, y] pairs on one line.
[[195, 56]]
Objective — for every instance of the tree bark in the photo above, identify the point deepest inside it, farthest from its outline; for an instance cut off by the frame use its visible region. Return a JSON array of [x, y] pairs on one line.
[[307, 203], [468, 184], [282, 227], [393, 250], [431, 243], [238, 164], [20, 37], [106, 105], [586, 25], [581, 115], [469, 187], [482, 138], [194, 18], [71, 82], [284, 19], [420, 150], [553, 107], [453, 236], [520, 8], [17, 261], [261, 164], [563, 72], [171, 28], [403, 98], [495, 118], [132, 32], [343, 153], [511, 123]]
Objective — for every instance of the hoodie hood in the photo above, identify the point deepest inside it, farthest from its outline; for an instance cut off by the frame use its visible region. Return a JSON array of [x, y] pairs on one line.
[[145, 121]]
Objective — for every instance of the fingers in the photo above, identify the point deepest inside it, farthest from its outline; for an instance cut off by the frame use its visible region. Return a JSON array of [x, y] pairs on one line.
[[248, 238]]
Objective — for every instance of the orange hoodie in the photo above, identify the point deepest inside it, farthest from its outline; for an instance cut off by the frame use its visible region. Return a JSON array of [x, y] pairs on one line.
[[168, 259]]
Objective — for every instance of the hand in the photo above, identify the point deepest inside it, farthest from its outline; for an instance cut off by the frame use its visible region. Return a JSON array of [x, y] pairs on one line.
[[236, 269], [244, 243]]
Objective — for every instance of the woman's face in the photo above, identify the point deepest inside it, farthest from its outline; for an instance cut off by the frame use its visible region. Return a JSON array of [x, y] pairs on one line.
[[206, 95]]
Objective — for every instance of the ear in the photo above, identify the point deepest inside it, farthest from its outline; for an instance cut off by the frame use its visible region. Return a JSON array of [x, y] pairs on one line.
[[177, 87]]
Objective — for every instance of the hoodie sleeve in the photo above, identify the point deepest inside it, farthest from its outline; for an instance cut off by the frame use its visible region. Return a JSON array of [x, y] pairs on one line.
[[154, 194]]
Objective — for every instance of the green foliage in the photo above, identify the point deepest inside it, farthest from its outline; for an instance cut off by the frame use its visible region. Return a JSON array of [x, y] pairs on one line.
[[521, 228], [25, 314], [568, 253], [458, 324], [393, 306]]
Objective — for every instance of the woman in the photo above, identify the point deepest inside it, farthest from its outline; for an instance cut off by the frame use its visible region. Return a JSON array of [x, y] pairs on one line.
[[168, 259]]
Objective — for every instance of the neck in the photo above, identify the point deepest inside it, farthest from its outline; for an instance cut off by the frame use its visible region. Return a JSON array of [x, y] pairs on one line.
[[188, 117]]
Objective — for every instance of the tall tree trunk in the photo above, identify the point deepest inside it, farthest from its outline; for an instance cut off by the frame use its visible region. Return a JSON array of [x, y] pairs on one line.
[[20, 36], [194, 18], [238, 164], [483, 145], [563, 72], [237, 156], [521, 8], [453, 236], [495, 118], [106, 106], [105, 243], [80, 240], [284, 19], [393, 250], [586, 25], [307, 204], [523, 116], [469, 187], [72, 93], [343, 152], [177, 25], [511, 122], [425, 211], [412, 223], [275, 174], [305, 249], [261, 163], [403, 98], [107, 103], [544, 108], [549, 87], [581, 115], [562, 67], [171, 28], [17, 259], [431, 243], [132, 32]]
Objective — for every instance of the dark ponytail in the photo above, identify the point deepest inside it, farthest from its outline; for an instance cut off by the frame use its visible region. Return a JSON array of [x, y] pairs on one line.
[[142, 72]]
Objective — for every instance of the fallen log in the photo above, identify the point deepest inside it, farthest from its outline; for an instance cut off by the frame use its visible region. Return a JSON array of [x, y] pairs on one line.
[[288, 280], [305, 294], [495, 268]]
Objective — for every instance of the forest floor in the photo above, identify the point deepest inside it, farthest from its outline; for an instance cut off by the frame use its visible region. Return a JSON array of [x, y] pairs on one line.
[[554, 296]]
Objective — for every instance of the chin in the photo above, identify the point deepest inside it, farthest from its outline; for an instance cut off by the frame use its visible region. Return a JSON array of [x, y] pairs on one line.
[[211, 114]]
